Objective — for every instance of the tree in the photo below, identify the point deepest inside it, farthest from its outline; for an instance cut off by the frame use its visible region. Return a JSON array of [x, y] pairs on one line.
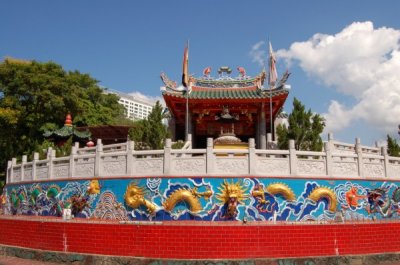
[[138, 134], [36, 96], [151, 132], [393, 147], [304, 128]]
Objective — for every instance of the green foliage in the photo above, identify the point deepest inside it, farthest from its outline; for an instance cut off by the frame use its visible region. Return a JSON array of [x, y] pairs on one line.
[[304, 127], [150, 133], [138, 134], [64, 149], [36, 96], [42, 149], [2, 184], [393, 147], [178, 145]]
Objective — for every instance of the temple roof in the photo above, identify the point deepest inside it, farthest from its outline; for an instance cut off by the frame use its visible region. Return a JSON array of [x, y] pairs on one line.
[[224, 87], [233, 93], [67, 130], [229, 93]]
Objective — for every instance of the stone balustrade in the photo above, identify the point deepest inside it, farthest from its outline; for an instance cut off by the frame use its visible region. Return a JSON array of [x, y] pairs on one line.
[[338, 160]]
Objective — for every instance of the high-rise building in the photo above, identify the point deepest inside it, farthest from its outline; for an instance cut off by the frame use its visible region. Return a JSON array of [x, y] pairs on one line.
[[136, 108]]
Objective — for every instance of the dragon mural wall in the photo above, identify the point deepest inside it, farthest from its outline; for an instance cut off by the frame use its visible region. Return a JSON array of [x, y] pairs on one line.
[[207, 199]]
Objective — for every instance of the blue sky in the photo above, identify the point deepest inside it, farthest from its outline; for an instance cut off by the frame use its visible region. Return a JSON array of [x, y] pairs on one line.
[[343, 55]]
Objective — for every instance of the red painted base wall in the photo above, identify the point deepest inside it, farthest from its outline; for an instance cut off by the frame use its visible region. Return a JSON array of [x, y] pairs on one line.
[[222, 241]]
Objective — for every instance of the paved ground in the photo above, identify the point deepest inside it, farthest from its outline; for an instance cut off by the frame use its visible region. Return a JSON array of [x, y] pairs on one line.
[[6, 260]]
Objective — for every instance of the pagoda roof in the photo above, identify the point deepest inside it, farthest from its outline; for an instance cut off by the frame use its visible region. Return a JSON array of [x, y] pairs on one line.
[[224, 87], [228, 93], [67, 130]]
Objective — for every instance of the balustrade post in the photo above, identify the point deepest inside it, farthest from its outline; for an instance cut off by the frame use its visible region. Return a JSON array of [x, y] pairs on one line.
[[167, 156], [269, 141], [99, 154], [9, 167], [13, 163], [292, 158], [74, 151], [385, 160], [130, 147], [8, 171], [330, 142], [189, 139], [329, 160], [23, 162], [252, 156], [51, 154], [360, 160], [210, 156], [34, 166]]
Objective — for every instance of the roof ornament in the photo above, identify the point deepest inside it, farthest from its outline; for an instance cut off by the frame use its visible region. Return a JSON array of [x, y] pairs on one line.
[[167, 82], [242, 71], [284, 78], [224, 70], [68, 120], [206, 72]]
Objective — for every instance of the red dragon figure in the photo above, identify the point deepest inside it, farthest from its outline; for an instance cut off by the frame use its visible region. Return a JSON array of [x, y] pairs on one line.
[[242, 71], [207, 71]]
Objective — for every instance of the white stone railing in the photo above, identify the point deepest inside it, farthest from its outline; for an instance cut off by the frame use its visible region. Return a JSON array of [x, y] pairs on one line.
[[338, 160]]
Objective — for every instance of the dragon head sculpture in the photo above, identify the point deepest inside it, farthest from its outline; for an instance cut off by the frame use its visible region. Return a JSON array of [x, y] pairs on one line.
[[135, 197], [231, 195]]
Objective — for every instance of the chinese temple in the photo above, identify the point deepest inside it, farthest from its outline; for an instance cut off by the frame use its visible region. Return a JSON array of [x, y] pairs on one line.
[[225, 103]]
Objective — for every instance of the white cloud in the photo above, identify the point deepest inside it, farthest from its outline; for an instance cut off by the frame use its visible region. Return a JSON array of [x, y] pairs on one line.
[[145, 98], [362, 62], [337, 117], [258, 53]]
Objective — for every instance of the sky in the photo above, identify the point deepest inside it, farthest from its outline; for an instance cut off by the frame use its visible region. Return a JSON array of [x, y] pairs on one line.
[[344, 56]]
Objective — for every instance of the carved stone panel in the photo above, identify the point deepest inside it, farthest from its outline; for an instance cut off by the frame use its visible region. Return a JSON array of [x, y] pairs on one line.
[[149, 166], [17, 175], [60, 171], [393, 170], [273, 166], [311, 167], [84, 169], [28, 173], [41, 171], [345, 168], [232, 166], [189, 166], [374, 170], [114, 166]]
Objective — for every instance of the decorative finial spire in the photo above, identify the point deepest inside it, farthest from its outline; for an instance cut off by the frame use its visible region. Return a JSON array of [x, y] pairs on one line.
[[68, 120]]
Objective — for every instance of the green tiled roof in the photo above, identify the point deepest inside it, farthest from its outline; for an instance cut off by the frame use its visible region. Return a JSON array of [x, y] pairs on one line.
[[221, 94], [228, 93], [67, 131]]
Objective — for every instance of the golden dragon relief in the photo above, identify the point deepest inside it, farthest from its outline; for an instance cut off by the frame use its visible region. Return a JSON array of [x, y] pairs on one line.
[[135, 198]]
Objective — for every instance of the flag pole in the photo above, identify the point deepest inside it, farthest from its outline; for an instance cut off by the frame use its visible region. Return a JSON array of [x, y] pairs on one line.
[[187, 94], [270, 92]]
